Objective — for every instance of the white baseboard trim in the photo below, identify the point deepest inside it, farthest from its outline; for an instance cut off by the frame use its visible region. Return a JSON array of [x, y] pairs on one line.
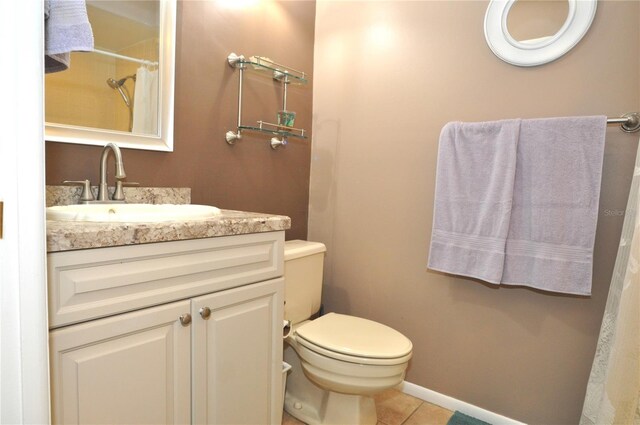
[[453, 404]]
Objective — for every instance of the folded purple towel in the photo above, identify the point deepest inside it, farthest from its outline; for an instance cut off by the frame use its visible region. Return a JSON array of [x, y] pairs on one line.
[[474, 189], [66, 29], [517, 201], [555, 204]]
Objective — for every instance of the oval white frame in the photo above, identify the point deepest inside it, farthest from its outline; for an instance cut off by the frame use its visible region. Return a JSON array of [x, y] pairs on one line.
[[538, 51], [55, 132]]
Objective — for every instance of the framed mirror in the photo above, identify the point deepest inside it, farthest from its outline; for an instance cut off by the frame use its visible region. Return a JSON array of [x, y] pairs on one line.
[[123, 91], [510, 39]]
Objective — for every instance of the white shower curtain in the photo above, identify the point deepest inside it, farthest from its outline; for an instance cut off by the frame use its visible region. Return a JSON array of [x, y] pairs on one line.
[[145, 102], [613, 391]]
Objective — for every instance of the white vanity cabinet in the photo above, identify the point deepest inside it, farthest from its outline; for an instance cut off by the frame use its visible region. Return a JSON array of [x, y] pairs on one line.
[[172, 332]]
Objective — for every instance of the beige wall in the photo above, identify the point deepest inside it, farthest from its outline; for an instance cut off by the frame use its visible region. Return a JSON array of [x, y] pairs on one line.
[[388, 76], [249, 176]]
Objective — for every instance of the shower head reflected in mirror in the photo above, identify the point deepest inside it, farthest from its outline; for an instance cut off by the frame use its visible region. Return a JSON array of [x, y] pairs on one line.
[[119, 85], [124, 92]]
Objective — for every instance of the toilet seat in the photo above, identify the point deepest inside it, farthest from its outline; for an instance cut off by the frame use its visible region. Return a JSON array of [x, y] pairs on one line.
[[355, 340]]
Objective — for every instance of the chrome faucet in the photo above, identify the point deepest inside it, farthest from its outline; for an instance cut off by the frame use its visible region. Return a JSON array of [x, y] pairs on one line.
[[103, 191]]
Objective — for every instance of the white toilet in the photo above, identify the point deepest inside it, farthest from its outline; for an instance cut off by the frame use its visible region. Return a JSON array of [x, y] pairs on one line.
[[338, 361]]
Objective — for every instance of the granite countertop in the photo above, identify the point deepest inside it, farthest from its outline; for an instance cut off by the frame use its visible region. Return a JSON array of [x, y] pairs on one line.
[[71, 235]]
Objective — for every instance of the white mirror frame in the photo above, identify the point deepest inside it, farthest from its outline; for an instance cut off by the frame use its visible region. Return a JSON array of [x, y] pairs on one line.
[[541, 50], [162, 142]]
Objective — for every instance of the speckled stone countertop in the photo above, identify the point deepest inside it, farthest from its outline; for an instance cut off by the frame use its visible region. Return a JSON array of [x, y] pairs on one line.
[[71, 235]]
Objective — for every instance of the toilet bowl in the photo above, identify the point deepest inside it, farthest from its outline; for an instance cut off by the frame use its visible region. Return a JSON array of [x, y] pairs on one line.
[[338, 361]]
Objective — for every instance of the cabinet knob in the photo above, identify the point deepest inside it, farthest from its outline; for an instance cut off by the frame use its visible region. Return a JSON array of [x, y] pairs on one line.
[[185, 319], [205, 313]]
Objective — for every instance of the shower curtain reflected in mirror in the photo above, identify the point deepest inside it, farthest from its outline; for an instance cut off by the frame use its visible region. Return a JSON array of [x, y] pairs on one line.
[[613, 391], [145, 102]]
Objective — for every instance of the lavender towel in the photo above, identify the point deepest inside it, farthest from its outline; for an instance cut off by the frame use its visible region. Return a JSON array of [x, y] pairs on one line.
[[66, 29], [516, 201], [474, 189], [555, 204]]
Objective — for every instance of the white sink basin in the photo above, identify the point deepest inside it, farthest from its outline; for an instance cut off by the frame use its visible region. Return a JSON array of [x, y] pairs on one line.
[[138, 213]]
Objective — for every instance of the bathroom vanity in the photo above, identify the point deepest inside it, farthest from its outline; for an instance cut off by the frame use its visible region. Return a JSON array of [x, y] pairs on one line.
[[162, 330]]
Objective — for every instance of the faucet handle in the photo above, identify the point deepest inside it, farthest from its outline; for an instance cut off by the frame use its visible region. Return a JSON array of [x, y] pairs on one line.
[[86, 194], [118, 194]]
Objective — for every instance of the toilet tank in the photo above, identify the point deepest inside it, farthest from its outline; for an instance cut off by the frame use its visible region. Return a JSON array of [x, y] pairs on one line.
[[303, 262]]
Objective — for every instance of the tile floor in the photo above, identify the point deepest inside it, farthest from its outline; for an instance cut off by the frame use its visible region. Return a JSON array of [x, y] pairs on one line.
[[396, 408]]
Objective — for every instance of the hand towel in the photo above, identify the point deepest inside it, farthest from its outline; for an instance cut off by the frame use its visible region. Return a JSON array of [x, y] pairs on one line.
[[66, 29], [555, 204], [474, 189], [145, 102]]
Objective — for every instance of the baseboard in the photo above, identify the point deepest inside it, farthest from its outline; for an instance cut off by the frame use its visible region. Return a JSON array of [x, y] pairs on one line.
[[455, 404]]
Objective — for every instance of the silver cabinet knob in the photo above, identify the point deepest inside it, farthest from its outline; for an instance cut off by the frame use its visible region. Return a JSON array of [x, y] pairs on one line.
[[205, 313], [185, 319]]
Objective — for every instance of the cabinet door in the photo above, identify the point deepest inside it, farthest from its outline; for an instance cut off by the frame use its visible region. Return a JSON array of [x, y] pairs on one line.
[[237, 355], [132, 368]]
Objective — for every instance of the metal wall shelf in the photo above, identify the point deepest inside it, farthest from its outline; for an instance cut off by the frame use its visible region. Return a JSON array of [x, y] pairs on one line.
[[273, 69], [278, 72], [276, 130]]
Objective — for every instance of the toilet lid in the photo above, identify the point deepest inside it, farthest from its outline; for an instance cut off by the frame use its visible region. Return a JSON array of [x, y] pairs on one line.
[[355, 336]]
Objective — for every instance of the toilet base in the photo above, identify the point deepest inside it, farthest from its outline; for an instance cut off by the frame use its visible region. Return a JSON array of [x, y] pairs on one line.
[[311, 404]]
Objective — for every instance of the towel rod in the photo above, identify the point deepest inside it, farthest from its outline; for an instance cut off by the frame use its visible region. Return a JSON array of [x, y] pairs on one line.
[[127, 58], [629, 123]]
